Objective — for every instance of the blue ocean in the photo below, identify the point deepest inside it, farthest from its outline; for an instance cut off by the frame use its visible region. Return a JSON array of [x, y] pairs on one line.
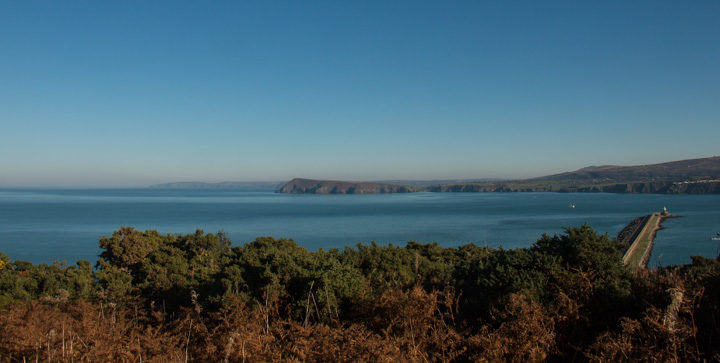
[[45, 225]]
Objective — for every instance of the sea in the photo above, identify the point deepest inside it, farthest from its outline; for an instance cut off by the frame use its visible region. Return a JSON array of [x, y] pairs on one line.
[[49, 225]]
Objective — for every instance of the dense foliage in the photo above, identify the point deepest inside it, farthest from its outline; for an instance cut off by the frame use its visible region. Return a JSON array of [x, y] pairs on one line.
[[195, 297]]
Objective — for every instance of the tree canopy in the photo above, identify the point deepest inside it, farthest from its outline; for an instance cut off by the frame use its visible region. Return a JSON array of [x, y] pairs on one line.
[[196, 296]]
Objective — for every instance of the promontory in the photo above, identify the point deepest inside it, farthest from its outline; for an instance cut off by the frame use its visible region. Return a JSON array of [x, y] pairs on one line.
[[693, 176], [311, 186]]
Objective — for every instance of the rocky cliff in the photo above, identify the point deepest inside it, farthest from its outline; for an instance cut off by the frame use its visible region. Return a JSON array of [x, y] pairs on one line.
[[478, 188], [311, 186], [695, 176], [701, 187]]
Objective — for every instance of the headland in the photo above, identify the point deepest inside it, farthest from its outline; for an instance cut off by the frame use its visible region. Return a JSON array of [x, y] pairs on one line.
[[696, 176]]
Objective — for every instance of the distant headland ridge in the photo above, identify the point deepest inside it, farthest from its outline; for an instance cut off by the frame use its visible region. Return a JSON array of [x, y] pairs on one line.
[[695, 176]]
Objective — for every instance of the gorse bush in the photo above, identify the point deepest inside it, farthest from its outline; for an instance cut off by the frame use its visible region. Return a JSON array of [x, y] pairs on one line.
[[196, 297]]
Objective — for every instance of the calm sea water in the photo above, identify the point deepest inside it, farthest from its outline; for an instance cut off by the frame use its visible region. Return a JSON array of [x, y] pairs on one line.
[[44, 225]]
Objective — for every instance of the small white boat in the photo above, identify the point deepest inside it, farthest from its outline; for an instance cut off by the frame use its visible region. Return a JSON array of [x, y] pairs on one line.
[[572, 205]]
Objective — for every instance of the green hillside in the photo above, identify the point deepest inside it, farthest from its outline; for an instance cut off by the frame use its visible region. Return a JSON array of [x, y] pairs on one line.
[[698, 176]]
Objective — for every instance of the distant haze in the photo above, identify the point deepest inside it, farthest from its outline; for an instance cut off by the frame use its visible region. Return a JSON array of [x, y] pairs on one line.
[[136, 93]]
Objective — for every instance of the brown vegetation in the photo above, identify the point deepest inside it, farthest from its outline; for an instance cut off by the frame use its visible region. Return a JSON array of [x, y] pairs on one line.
[[568, 298]]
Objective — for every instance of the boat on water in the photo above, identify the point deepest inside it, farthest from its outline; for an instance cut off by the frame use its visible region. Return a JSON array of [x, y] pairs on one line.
[[573, 206]]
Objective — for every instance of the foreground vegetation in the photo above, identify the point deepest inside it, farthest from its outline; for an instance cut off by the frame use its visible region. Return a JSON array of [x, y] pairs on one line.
[[155, 297]]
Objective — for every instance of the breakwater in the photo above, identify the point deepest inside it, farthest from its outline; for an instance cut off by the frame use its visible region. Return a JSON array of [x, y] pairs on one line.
[[641, 234]]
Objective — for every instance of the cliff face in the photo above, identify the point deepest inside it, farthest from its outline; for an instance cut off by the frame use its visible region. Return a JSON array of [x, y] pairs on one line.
[[643, 187], [475, 188], [696, 188], [310, 186], [702, 187], [708, 187]]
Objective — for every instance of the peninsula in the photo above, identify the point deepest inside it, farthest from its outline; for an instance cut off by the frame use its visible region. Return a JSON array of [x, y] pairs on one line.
[[695, 176], [310, 186]]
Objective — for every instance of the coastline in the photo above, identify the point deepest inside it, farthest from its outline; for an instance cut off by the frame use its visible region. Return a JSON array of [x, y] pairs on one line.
[[313, 186]]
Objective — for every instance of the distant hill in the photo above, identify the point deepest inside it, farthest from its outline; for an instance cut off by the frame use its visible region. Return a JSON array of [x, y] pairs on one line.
[[598, 168], [695, 176], [311, 186], [229, 185], [683, 170]]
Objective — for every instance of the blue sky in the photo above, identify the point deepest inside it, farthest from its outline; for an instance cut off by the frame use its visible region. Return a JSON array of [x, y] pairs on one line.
[[133, 93]]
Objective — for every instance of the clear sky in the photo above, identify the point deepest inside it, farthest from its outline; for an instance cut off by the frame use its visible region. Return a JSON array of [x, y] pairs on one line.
[[133, 93]]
